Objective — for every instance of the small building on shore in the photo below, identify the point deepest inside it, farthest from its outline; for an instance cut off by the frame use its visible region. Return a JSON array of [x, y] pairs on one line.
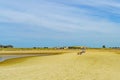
[[76, 47]]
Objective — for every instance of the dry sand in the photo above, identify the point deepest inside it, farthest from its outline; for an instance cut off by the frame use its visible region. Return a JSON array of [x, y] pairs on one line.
[[94, 65]]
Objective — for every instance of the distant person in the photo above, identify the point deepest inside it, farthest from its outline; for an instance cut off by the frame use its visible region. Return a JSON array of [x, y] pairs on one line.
[[83, 50]]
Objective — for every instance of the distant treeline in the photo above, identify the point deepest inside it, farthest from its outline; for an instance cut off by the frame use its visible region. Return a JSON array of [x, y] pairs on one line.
[[6, 46], [115, 47], [69, 47]]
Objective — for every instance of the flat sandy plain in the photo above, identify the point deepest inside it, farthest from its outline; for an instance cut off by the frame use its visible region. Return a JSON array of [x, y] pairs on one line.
[[93, 65]]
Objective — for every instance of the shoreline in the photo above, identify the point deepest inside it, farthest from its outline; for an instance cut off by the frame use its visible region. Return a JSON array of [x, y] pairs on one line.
[[8, 56]]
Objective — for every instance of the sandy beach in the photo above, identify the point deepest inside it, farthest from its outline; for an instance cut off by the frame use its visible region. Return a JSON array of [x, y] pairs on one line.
[[93, 65]]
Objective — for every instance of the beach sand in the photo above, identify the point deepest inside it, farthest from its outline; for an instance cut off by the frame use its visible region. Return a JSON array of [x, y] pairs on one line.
[[93, 65]]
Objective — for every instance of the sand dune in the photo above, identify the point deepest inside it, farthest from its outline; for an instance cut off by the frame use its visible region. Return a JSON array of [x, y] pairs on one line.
[[93, 65]]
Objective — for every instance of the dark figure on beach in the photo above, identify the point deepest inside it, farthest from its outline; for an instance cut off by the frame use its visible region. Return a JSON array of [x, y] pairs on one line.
[[83, 50]]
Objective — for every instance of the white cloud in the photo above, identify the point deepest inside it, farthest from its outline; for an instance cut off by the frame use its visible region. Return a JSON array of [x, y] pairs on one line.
[[60, 17]]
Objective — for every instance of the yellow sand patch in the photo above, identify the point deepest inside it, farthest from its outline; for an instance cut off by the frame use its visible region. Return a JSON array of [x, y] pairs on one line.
[[94, 65]]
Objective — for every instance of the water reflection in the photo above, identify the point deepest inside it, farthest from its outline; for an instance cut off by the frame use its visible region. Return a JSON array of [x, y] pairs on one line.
[[11, 56], [5, 57]]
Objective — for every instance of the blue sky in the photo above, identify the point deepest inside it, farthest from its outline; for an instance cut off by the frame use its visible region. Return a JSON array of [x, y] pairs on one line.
[[29, 23]]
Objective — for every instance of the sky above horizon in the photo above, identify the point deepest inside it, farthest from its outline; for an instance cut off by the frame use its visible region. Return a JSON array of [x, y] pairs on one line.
[[29, 23]]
